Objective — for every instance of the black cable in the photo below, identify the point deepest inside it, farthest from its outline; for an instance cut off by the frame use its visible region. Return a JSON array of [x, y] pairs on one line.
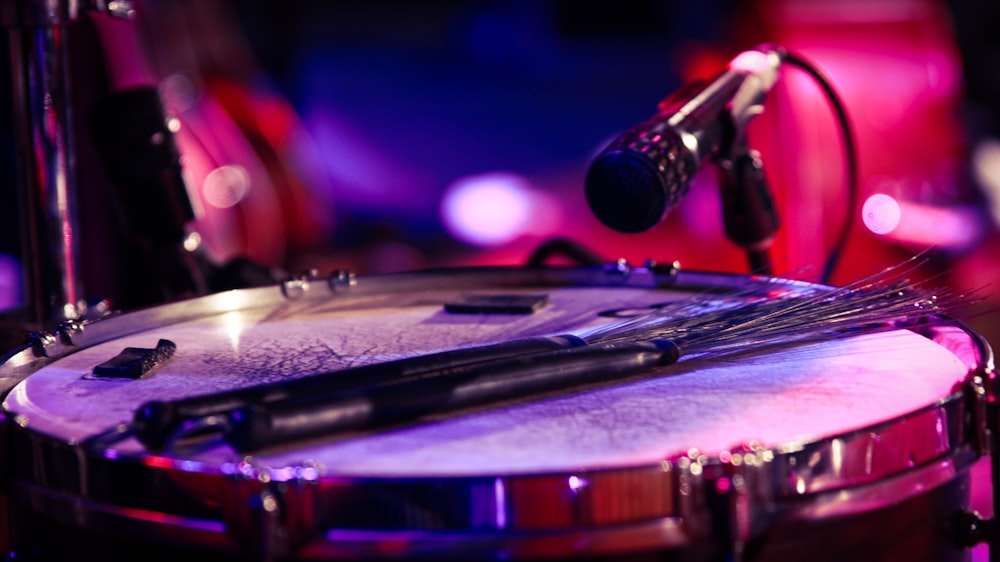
[[556, 247], [850, 156]]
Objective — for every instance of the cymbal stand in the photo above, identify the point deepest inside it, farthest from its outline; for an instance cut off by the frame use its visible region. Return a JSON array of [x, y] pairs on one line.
[[47, 182]]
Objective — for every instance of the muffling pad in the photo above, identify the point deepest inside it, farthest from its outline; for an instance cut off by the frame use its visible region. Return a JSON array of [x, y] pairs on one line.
[[496, 304], [134, 362]]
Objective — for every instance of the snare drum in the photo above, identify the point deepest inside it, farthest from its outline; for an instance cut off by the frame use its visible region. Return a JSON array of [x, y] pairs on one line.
[[857, 447]]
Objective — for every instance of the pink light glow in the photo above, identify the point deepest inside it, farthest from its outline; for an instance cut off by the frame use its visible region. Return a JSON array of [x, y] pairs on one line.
[[881, 213], [921, 224], [487, 209]]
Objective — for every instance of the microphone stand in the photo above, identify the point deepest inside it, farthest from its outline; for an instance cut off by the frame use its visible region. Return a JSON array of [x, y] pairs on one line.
[[748, 211]]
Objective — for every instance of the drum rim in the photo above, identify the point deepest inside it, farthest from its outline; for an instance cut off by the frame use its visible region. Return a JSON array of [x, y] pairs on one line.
[[676, 519], [759, 473]]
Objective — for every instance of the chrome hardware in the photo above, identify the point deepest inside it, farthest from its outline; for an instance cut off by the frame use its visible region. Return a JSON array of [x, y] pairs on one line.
[[123, 9], [341, 279], [296, 287], [47, 182], [620, 267], [41, 342], [38, 36], [68, 329]]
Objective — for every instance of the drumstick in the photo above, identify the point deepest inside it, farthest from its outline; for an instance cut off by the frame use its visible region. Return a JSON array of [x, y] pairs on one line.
[[257, 426], [698, 325], [857, 309], [155, 421]]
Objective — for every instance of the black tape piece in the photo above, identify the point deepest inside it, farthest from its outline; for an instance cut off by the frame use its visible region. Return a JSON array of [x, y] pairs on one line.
[[497, 304], [134, 362]]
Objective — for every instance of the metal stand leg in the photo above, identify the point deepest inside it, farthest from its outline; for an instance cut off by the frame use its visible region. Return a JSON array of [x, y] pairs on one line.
[[38, 31]]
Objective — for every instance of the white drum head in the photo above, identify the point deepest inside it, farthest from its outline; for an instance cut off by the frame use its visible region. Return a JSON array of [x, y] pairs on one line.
[[777, 398]]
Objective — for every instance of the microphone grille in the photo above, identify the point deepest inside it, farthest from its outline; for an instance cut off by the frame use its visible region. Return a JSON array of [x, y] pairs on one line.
[[631, 186]]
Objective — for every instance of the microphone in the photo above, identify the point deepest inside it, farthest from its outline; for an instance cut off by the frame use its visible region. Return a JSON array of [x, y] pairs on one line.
[[643, 174]]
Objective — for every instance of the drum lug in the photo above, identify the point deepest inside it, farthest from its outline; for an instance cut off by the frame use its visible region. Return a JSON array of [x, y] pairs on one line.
[[341, 279], [56, 343], [42, 344], [736, 486], [669, 270], [297, 286], [260, 528], [751, 489], [619, 268], [652, 272], [661, 274], [269, 508], [271, 518], [68, 330]]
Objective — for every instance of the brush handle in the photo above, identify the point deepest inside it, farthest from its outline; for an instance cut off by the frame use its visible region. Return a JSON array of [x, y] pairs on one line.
[[156, 421], [267, 424]]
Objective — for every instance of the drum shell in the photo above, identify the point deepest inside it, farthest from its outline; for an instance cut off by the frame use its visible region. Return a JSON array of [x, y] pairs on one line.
[[918, 523]]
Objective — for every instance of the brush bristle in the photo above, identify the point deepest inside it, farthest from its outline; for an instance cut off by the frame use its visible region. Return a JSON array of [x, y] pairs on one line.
[[773, 312]]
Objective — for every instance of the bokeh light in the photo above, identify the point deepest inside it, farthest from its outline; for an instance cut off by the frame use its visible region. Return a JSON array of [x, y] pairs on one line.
[[881, 213], [487, 209]]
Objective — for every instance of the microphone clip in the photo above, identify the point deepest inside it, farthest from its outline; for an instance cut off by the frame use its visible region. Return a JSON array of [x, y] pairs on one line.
[[750, 217]]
